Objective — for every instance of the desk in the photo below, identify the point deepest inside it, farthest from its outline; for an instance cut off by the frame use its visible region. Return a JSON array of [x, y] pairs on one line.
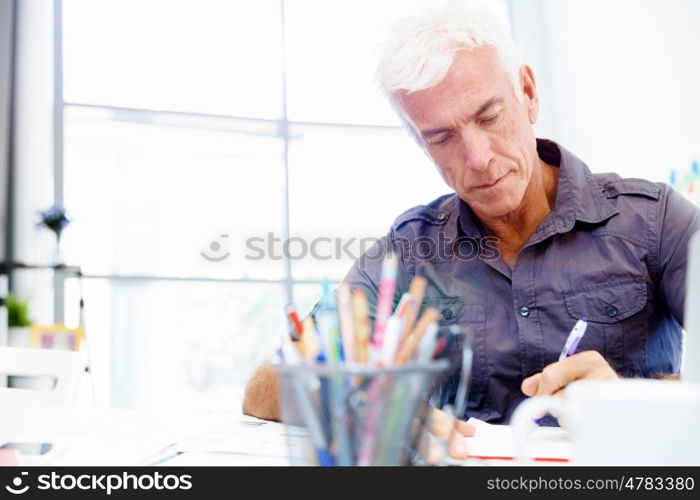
[[89, 437]]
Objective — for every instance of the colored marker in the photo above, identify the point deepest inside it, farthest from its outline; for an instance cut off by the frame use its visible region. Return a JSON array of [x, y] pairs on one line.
[[293, 317], [347, 324], [327, 322], [360, 309], [385, 302]]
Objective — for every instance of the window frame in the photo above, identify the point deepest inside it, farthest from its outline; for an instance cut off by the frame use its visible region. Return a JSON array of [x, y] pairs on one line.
[[238, 124]]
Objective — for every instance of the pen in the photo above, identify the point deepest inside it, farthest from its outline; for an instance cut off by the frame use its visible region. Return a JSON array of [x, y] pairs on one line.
[[294, 319], [570, 346], [347, 325], [461, 396], [360, 309], [573, 339], [385, 301], [327, 320], [466, 369]]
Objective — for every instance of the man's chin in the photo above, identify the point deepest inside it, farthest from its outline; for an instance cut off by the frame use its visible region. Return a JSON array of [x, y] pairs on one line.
[[491, 210]]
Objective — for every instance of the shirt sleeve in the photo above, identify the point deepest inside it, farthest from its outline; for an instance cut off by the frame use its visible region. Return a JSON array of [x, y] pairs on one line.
[[679, 220]]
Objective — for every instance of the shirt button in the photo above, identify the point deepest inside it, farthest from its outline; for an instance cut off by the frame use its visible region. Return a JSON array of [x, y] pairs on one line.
[[447, 313], [611, 311], [441, 216], [524, 311]]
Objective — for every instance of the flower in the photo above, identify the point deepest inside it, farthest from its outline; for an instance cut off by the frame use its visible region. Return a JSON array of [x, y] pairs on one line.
[[54, 219]]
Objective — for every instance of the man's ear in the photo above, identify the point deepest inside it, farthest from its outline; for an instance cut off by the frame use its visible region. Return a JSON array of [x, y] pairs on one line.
[[528, 89]]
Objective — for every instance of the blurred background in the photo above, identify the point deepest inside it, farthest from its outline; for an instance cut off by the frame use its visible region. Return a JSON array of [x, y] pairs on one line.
[[188, 140]]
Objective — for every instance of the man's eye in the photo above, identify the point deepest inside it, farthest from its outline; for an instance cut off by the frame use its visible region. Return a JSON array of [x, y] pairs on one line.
[[440, 140], [490, 119]]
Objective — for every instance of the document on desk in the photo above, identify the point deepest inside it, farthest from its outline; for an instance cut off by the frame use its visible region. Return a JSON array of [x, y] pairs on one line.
[[264, 444], [265, 440], [498, 442]]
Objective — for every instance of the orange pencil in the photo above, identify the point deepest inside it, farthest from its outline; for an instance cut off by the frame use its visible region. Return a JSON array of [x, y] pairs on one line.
[[416, 290], [310, 345], [431, 315]]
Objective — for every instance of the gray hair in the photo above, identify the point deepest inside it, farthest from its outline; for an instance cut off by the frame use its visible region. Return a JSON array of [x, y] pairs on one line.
[[419, 50]]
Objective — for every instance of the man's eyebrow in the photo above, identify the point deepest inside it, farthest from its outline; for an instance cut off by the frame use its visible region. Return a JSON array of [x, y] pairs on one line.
[[482, 109]]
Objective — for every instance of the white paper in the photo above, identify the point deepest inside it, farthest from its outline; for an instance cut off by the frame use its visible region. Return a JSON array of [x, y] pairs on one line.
[[499, 441]]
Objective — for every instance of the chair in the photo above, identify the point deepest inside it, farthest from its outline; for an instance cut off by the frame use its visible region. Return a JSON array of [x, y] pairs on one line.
[[66, 367]]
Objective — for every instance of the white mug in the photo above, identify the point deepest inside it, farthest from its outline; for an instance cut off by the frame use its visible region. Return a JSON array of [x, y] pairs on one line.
[[622, 422]]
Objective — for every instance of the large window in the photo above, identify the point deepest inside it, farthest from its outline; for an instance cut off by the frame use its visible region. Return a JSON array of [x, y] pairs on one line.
[[193, 128]]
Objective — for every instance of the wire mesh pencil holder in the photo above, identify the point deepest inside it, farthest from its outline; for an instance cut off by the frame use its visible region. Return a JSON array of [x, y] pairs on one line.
[[348, 415]]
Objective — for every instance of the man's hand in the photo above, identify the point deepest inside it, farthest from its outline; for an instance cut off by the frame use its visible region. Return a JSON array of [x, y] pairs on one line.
[[261, 397], [452, 431], [555, 377]]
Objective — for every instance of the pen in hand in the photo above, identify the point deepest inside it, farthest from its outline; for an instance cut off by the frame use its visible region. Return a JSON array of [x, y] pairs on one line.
[[573, 339], [570, 346]]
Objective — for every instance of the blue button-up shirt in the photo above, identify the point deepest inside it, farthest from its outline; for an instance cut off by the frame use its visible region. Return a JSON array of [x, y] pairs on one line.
[[612, 251]]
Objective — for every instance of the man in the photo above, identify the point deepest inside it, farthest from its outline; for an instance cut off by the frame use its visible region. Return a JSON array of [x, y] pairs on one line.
[[555, 242]]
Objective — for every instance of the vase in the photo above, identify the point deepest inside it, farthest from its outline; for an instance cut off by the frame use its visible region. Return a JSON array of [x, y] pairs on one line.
[[18, 336]]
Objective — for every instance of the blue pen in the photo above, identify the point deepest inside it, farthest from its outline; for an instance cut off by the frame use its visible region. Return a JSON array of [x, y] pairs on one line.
[[573, 339], [333, 391], [570, 346]]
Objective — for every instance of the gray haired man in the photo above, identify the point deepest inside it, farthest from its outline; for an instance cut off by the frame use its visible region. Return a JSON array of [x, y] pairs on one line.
[[570, 244]]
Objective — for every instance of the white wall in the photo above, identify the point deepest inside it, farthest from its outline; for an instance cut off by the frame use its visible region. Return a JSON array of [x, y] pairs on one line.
[[619, 80]]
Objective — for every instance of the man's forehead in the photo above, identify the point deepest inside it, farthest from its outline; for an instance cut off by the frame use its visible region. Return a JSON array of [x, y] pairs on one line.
[[475, 77]]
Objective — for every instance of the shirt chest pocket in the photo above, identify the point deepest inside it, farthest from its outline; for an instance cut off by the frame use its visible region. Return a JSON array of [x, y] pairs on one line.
[[615, 327]]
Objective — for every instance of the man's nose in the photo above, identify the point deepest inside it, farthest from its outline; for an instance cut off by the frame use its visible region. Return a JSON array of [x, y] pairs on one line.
[[477, 151]]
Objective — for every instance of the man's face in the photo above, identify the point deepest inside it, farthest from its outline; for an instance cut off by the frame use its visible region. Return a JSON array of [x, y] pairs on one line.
[[477, 132]]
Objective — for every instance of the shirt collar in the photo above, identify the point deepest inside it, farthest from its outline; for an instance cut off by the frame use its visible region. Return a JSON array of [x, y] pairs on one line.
[[579, 197]]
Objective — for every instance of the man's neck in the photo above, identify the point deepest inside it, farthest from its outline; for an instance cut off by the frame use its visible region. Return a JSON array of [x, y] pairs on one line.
[[515, 228]]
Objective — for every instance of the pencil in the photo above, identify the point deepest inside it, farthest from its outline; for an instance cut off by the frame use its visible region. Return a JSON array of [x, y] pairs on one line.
[[416, 290], [430, 316], [309, 339]]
